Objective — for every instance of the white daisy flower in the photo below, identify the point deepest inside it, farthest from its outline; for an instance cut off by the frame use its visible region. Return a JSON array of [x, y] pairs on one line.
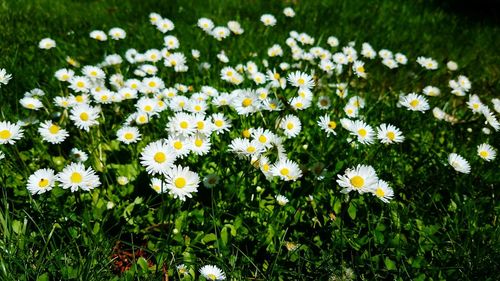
[[179, 145], [286, 169], [401, 59], [80, 84], [84, 116], [245, 147], [157, 157], [291, 125], [46, 43], [383, 191], [41, 181], [289, 12], [10, 132], [363, 132], [158, 185], [220, 123], [359, 69], [181, 182], [388, 133], [282, 200], [362, 179], [490, 118], [452, 66], [128, 135], [52, 133], [212, 272], [117, 33], [414, 102], [79, 155], [427, 63], [301, 80], [327, 125], [181, 124], [475, 104], [431, 91], [268, 20], [4, 77], [390, 63], [332, 41], [486, 152], [75, 176], [98, 35], [165, 25], [199, 144], [459, 163], [31, 103], [206, 24], [220, 32]]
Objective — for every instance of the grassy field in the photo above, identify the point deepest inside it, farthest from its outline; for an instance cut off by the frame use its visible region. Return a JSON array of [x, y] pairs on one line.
[[441, 225]]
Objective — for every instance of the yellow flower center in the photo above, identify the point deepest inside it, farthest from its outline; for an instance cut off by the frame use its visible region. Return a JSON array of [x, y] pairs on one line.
[[80, 84], [65, 77], [246, 133], [30, 106], [299, 105], [284, 172], [178, 145], [197, 108], [263, 139], [357, 181], [79, 98], [182, 104], [362, 132], [180, 182], [184, 124], [151, 84], [211, 276], [148, 108], [277, 76], [265, 167], [142, 119], [246, 102], [475, 106], [484, 153], [301, 81], [76, 177], [93, 73], [414, 103], [379, 192], [84, 116], [251, 149], [289, 126], [160, 157], [360, 69], [200, 125], [391, 135], [332, 125], [43, 183], [128, 136], [219, 123], [54, 129], [198, 142]]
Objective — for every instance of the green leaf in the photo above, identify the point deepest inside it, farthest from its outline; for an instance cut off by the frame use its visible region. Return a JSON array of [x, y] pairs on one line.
[[143, 263], [352, 211], [389, 264], [209, 238], [43, 277]]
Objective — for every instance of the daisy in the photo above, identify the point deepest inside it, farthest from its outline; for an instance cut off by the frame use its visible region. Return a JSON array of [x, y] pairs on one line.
[[490, 118], [4, 77], [362, 179], [363, 132], [212, 272], [332, 41], [93, 72], [390, 63], [179, 145], [79, 155], [291, 125], [431, 91], [245, 147], [300, 103], [181, 182], [64, 74], [475, 104], [31, 103], [459, 163], [427, 63], [220, 32], [235, 27], [286, 169], [264, 137], [75, 176], [41, 181], [206, 24], [327, 125], [181, 123], [98, 35], [199, 144], [452, 66], [52, 133], [80, 84], [245, 101], [47, 43], [157, 157], [383, 191], [165, 25], [220, 123], [10, 132], [203, 126], [268, 20], [158, 185], [486, 151], [171, 42], [401, 59], [414, 102], [359, 69], [128, 135], [117, 33], [289, 12], [282, 200], [301, 80], [388, 133], [84, 116]]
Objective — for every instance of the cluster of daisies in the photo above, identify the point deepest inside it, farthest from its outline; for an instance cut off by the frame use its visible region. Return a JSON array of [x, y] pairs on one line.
[[363, 179]]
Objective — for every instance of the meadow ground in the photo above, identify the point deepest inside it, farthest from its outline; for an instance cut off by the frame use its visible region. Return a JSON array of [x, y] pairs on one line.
[[440, 225]]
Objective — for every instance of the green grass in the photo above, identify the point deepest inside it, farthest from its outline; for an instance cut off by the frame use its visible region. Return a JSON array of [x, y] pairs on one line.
[[441, 225]]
